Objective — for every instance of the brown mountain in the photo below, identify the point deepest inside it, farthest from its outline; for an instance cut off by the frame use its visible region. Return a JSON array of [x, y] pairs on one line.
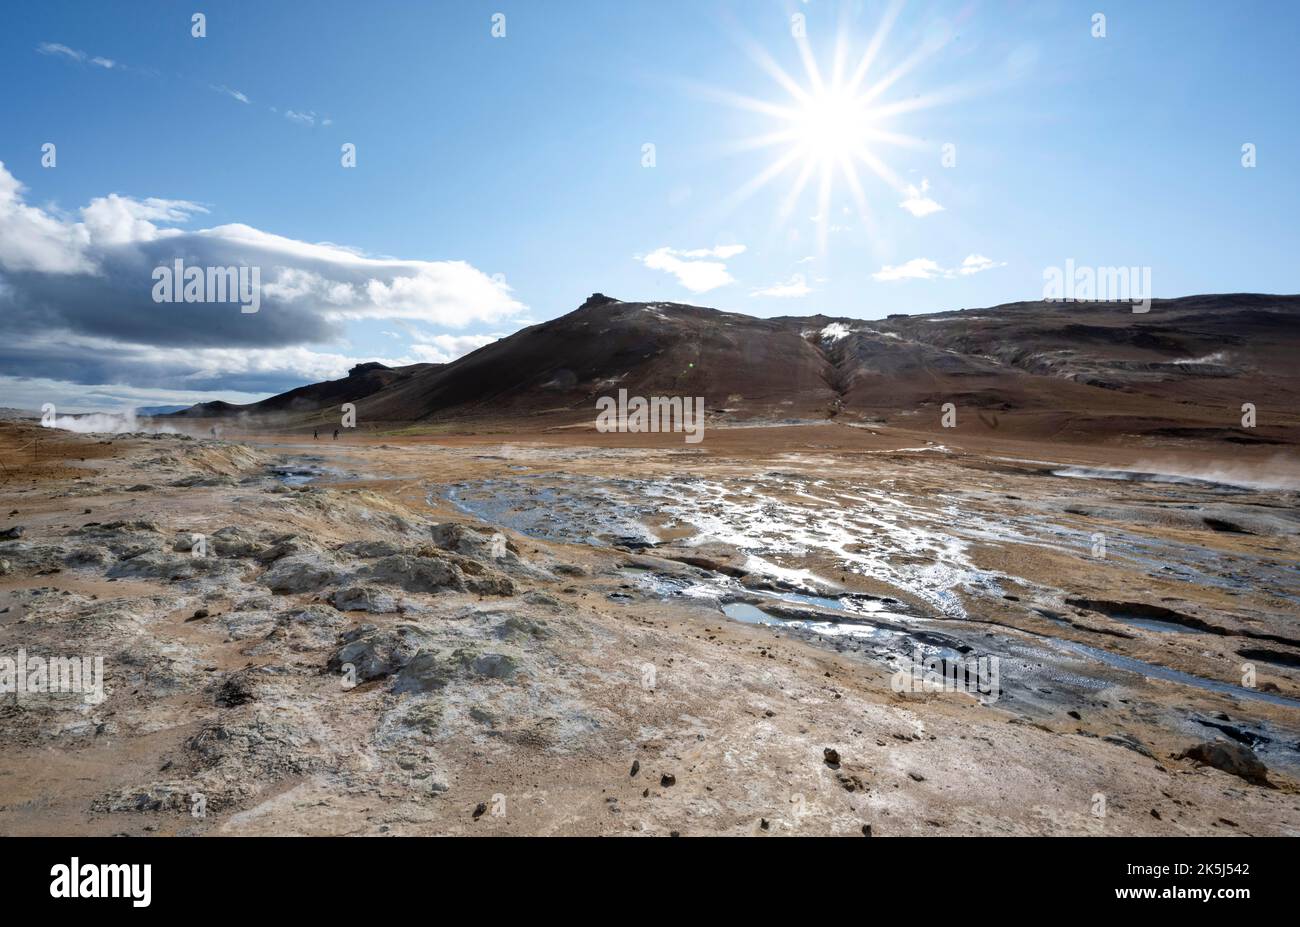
[[362, 380], [1187, 365]]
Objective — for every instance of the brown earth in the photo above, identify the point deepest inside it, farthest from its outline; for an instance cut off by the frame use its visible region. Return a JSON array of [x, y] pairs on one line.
[[538, 702]]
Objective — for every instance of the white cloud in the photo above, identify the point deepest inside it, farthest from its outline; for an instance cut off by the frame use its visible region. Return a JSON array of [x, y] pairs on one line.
[[33, 240], [793, 288], [76, 298], [690, 267], [974, 263], [917, 202], [118, 220], [443, 349], [54, 48], [57, 50], [303, 119], [927, 269], [242, 98], [915, 269]]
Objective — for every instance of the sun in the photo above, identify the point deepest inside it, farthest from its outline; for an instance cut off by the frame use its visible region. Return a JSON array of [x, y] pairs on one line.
[[834, 126], [830, 125]]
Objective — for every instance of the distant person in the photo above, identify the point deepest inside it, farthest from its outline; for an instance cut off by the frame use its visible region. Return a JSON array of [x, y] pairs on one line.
[[315, 434], [336, 434]]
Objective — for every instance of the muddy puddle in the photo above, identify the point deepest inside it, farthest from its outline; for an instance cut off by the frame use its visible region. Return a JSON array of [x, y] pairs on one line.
[[781, 522]]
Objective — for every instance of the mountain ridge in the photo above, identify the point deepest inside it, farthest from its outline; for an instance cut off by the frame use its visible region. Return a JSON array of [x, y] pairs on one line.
[[1188, 357]]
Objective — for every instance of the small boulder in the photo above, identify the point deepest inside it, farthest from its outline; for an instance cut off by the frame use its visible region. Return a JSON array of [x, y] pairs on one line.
[[300, 573], [378, 652], [1236, 759], [364, 599]]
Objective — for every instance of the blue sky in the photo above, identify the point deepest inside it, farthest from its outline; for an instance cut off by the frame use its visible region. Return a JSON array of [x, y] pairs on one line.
[[506, 175]]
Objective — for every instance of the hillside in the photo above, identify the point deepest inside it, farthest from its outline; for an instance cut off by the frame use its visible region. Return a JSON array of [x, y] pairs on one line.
[[1186, 366]]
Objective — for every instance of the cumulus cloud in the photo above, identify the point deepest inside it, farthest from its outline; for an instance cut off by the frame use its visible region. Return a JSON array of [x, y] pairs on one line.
[[927, 269], [443, 349], [693, 268], [917, 202], [76, 298], [793, 288]]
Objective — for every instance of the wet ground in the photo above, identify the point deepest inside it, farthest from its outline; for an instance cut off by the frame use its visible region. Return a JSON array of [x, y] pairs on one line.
[[780, 547]]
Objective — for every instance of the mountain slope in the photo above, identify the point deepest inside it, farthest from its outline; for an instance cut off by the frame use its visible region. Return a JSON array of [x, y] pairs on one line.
[[362, 380], [1193, 361]]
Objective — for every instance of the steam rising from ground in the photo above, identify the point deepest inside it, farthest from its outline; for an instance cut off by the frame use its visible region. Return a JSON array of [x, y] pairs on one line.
[[1279, 472], [110, 423]]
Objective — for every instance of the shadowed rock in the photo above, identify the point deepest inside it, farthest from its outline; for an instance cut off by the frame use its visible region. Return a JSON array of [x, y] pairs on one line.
[[1234, 759]]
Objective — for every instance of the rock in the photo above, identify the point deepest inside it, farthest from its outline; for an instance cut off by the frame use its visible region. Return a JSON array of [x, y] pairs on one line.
[[12, 534], [158, 796], [1235, 759], [831, 756], [1075, 715], [516, 627], [480, 809], [1128, 741], [916, 777], [866, 830], [158, 565], [416, 574], [93, 556], [199, 615], [537, 597], [364, 599], [764, 824], [371, 550], [494, 665], [667, 779], [235, 542], [374, 652], [636, 767], [300, 573], [286, 545], [422, 673], [464, 540]]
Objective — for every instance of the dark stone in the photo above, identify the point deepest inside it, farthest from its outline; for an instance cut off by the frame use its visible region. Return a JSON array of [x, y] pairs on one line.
[[1236, 759]]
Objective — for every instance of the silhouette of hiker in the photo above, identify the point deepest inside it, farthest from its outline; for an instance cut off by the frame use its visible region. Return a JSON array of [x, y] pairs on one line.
[[336, 434], [315, 434]]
